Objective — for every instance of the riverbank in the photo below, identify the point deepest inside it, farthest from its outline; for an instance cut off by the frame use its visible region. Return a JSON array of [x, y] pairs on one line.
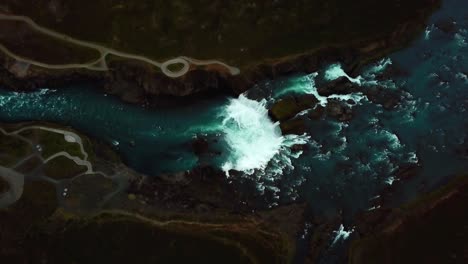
[[90, 208], [137, 82]]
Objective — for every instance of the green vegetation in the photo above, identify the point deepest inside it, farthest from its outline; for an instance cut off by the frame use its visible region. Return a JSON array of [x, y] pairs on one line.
[[87, 191], [52, 143], [62, 168], [36, 228], [12, 150], [40, 47], [4, 186], [240, 33], [37, 203], [175, 67]]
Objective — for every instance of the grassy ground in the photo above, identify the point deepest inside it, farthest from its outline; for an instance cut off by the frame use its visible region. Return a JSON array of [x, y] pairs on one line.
[[240, 32], [62, 228], [52, 143], [12, 150], [62, 168], [22, 40], [46, 232]]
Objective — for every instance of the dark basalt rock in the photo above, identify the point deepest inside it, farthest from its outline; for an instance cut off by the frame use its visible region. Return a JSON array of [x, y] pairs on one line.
[[295, 126], [447, 25], [462, 150], [339, 86], [316, 113], [430, 223], [200, 146], [289, 107], [187, 190], [407, 171], [389, 99], [339, 110]]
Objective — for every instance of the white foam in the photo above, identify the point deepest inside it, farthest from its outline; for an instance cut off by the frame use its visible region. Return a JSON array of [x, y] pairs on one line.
[[462, 76], [390, 180], [300, 85], [255, 141], [379, 67], [355, 97], [335, 71], [341, 234], [460, 38], [428, 31]]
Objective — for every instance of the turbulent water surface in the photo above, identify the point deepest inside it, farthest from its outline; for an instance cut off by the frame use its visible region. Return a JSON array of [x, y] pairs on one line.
[[346, 164]]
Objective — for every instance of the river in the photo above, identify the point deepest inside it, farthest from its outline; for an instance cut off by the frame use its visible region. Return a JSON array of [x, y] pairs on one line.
[[346, 164]]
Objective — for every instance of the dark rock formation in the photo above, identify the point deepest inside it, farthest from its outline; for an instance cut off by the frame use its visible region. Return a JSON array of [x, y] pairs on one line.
[[447, 26], [339, 86], [289, 107], [339, 110], [407, 171], [432, 223], [389, 99], [294, 126]]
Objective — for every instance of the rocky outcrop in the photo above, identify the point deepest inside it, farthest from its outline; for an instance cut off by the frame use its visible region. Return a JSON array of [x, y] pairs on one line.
[[289, 107], [431, 223], [136, 82]]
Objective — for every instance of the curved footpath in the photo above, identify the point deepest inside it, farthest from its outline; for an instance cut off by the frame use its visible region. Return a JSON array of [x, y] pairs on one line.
[[16, 179], [101, 64]]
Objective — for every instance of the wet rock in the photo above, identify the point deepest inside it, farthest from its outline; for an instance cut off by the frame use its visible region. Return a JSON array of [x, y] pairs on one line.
[[184, 191], [429, 223], [321, 237], [392, 71], [446, 25], [389, 99], [407, 171], [297, 147], [286, 67], [462, 150], [316, 113], [339, 86], [339, 110], [295, 126], [289, 107], [200, 146]]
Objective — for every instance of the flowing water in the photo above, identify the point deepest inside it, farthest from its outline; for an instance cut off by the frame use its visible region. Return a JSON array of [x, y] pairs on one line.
[[346, 164]]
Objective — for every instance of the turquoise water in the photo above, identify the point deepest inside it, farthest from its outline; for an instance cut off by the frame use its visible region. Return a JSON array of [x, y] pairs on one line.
[[346, 164]]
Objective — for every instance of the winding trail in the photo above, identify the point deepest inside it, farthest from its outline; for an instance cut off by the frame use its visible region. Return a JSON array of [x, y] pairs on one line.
[[101, 64], [16, 179]]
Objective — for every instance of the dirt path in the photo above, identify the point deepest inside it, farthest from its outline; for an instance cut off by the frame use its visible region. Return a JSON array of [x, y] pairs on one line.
[[16, 179], [100, 64]]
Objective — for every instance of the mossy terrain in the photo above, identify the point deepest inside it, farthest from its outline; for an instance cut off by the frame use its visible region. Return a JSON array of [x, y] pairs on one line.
[[287, 108], [62, 168], [52, 143], [431, 229], [240, 33], [124, 239], [22, 40], [37, 203], [91, 218], [36, 228], [85, 192], [4, 186], [12, 150]]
